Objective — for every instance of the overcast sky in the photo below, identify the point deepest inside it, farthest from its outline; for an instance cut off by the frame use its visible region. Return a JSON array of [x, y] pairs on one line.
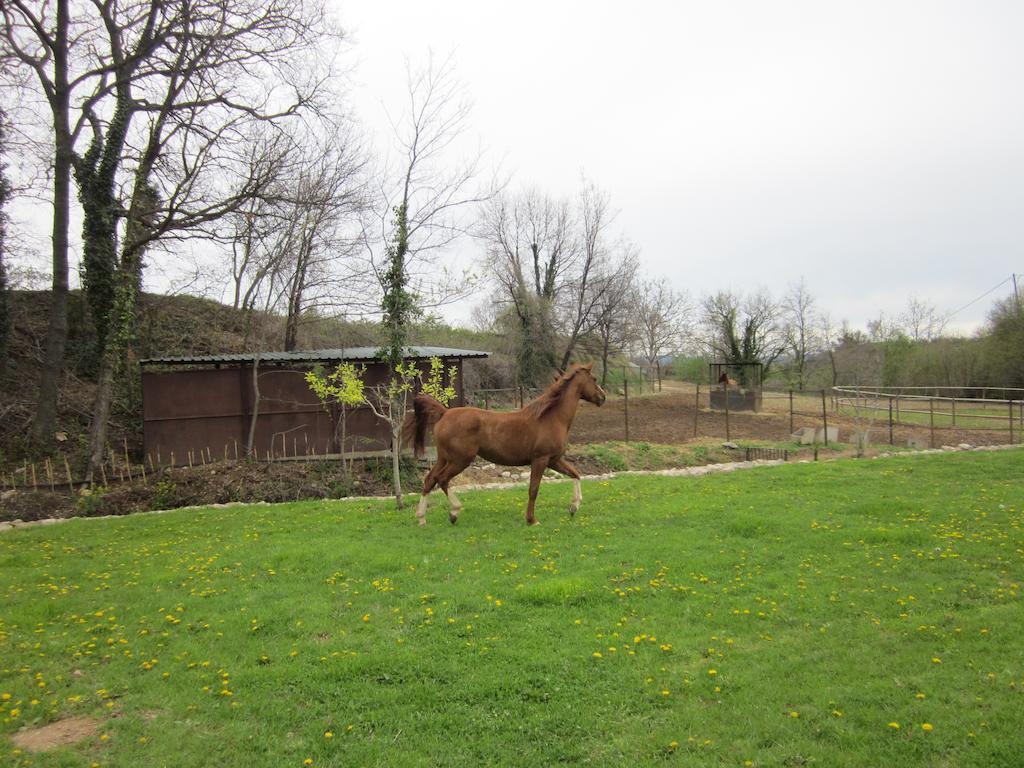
[[875, 149]]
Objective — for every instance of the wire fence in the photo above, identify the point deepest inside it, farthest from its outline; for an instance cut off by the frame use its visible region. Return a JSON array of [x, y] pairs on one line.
[[919, 417], [672, 412]]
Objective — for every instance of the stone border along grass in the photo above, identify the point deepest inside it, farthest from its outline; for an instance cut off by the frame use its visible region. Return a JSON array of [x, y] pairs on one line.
[[707, 469]]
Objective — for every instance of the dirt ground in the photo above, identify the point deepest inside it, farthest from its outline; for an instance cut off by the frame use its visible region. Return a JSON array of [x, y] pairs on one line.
[[59, 734], [668, 418]]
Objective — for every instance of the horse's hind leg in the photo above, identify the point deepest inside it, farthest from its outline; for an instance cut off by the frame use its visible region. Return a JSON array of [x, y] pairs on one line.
[[563, 466], [429, 482], [451, 470], [536, 473]]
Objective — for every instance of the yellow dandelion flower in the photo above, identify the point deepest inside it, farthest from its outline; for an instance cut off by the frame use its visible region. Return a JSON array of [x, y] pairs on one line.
[[794, 713], [597, 655], [894, 726], [926, 726], [936, 660], [328, 734], [308, 761], [366, 617], [712, 672]]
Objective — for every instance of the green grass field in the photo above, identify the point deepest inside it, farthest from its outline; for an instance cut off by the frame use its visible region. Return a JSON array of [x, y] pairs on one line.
[[834, 614]]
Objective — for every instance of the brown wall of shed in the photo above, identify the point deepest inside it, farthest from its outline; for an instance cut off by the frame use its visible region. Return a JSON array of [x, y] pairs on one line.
[[199, 410]]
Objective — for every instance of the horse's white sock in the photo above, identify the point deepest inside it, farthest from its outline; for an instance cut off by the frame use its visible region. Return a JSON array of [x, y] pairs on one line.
[[454, 501], [421, 510]]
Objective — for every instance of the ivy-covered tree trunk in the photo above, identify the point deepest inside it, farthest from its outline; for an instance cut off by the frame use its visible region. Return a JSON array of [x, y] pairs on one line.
[[399, 307], [95, 174], [122, 316]]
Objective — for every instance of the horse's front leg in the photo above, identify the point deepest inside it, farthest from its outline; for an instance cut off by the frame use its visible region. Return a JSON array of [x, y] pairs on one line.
[[536, 473], [563, 466]]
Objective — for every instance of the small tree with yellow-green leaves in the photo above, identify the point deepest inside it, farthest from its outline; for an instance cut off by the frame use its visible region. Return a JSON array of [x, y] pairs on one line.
[[339, 390], [344, 388]]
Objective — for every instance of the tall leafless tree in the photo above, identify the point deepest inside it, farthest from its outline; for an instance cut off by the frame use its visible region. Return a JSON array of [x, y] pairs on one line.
[[554, 264], [532, 252], [662, 320], [613, 325], [740, 330], [603, 267], [212, 69], [802, 329], [50, 40], [921, 320]]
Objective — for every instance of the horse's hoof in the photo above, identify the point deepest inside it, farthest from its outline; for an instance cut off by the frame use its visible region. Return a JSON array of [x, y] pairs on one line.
[[533, 522], [423, 522], [572, 510], [453, 519]]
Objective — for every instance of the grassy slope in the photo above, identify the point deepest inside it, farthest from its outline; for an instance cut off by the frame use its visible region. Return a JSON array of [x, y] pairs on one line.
[[778, 616]]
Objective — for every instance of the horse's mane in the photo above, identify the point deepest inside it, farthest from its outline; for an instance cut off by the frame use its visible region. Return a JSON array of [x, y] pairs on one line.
[[552, 396]]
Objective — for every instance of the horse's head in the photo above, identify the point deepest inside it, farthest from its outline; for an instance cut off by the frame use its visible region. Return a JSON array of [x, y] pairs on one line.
[[590, 390]]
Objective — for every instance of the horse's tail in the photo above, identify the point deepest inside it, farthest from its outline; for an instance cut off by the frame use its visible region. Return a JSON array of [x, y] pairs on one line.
[[426, 412]]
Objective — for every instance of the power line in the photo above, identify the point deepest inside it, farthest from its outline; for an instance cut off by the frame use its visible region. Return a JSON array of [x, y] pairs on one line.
[[979, 298]]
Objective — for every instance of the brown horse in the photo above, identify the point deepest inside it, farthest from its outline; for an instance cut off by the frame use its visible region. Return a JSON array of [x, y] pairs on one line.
[[535, 435]]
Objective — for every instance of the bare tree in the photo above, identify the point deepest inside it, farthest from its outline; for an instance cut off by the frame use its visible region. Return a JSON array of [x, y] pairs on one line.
[[614, 321], [210, 70], [602, 268], [48, 41], [801, 327], [419, 215], [741, 330], [922, 321], [532, 250], [305, 247], [662, 316], [554, 264]]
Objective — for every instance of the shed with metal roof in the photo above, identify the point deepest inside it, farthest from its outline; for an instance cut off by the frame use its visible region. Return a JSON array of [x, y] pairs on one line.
[[196, 406]]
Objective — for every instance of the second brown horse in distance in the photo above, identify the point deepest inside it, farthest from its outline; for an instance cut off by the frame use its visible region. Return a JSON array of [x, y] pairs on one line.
[[535, 435]]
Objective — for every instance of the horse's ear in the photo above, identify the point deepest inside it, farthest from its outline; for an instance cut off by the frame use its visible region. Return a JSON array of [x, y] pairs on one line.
[[588, 366]]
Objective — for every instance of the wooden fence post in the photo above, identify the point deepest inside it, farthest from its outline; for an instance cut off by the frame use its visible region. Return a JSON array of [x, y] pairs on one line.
[[954, 411], [727, 431], [625, 397], [1011, 422], [890, 423], [931, 422], [696, 409], [791, 411], [824, 414]]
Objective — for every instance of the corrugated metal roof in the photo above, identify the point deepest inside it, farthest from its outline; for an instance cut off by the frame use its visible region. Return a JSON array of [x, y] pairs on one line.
[[313, 356]]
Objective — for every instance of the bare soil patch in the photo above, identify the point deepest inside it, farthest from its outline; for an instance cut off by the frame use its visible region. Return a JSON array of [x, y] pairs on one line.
[[59, 734], [668, 418]]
